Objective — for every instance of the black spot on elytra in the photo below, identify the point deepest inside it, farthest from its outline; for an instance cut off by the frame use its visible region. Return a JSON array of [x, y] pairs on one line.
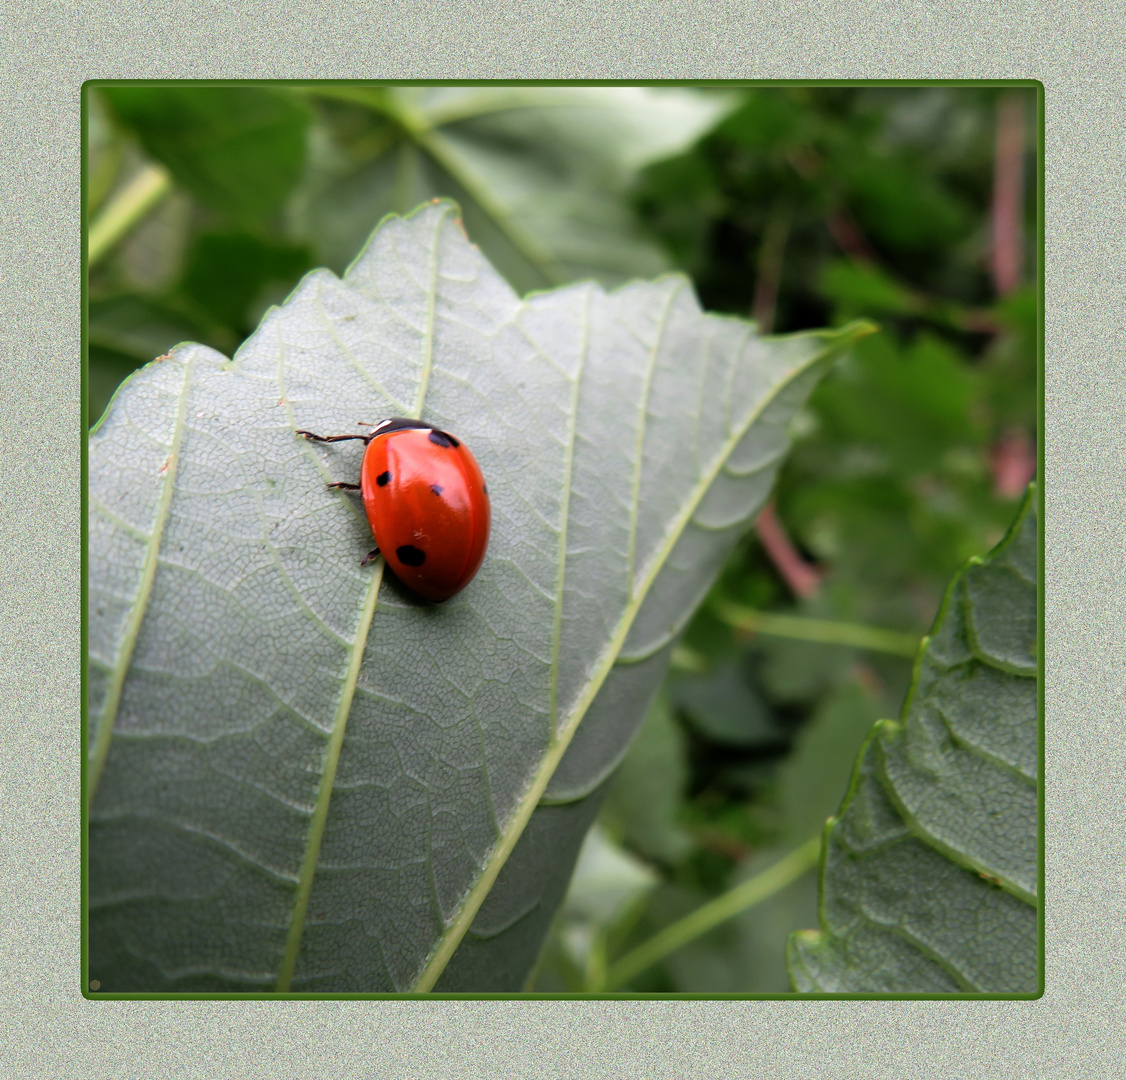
[[409, 555], [436, 488], [440, 438], [383, 478]]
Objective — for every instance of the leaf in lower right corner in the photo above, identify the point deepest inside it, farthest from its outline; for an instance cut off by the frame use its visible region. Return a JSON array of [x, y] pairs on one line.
[[929, 876]]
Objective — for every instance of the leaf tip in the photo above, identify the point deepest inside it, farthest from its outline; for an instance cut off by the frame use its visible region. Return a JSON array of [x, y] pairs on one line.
[[862, 328]]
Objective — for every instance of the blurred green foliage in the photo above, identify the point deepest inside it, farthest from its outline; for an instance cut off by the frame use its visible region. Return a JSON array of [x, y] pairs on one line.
[[801, 206]]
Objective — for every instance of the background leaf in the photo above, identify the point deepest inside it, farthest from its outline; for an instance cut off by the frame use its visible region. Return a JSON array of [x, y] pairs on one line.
[[645, 794], [930, 872], [725, 705], [541, 173], [305, 779], [239, 150], [605, 888]]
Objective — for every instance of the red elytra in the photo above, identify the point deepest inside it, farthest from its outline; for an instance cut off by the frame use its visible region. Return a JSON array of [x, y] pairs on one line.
[[426, 502]]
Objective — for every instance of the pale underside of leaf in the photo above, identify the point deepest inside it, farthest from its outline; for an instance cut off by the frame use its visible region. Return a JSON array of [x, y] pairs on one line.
[[314, 780]]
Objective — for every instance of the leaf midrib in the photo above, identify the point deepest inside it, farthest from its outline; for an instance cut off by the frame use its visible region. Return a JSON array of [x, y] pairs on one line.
[[456, 930], [348, 688]]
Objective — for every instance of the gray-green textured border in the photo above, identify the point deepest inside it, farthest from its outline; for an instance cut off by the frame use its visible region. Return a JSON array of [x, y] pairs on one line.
[[50, 1030]]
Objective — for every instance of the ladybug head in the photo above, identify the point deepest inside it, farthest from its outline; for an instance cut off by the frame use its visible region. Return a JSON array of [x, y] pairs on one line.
[[403, 423]]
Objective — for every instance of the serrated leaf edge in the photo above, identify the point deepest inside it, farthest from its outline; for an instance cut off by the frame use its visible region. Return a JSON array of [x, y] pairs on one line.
[[895, 732], [813, 938]]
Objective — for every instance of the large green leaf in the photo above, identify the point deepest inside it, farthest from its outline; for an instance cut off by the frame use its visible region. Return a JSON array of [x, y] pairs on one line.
[[302, 778], [929, 874], [541, 172]]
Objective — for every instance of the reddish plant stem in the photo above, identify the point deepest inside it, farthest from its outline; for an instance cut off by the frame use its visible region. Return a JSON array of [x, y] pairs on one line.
[[1008, 194], [803, 579], [846, 234], [848, 237], [868, 678], [1012, 460]]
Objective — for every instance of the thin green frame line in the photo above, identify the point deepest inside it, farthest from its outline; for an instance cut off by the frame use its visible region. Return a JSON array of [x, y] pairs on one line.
[[1038, 173], [83, 556], [700, 83], [717, 84]]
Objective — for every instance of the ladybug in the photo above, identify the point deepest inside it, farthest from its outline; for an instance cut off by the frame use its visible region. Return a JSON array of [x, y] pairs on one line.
[[427, 504]]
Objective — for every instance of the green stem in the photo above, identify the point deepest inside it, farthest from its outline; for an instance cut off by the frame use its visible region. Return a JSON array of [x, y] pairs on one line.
[[126, 209], [687, 659], [711, 914], [769, 270], [831, 633]]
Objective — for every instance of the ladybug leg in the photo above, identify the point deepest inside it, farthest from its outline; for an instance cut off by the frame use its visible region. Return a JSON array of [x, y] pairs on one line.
[[345, 487], [371, 556], [333, 438]]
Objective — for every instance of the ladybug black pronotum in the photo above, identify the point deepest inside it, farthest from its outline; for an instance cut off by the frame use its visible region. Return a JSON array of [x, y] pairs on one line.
[[426, 502]]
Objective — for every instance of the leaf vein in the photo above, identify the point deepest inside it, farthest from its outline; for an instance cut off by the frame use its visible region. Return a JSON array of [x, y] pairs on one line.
[[132, 629], [639, 446]]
